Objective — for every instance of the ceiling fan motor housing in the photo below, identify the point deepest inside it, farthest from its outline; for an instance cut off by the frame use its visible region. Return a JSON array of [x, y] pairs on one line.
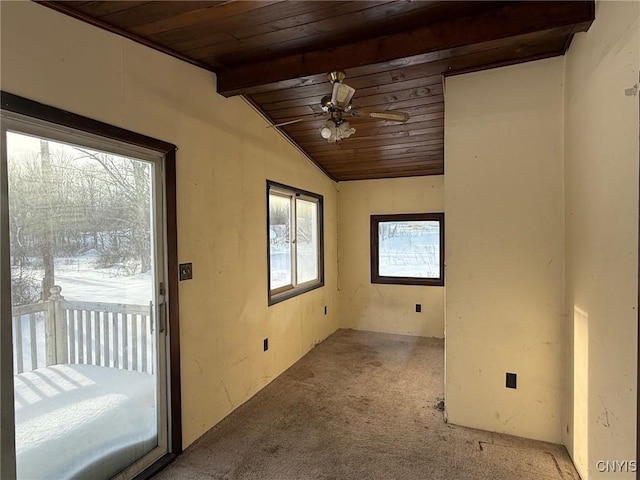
[[337, 76]]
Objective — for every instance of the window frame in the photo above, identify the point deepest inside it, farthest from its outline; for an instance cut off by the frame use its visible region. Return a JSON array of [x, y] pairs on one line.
[[277, 295], [374, 246]]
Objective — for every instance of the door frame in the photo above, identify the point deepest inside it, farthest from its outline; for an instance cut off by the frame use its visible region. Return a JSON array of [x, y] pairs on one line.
[[23, 106]]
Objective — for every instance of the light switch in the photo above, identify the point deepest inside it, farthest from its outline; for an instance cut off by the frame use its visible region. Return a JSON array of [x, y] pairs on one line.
[[186, 271]]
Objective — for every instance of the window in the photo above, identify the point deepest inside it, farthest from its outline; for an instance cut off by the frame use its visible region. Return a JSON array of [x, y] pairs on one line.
[[408, 249], [295, 241]]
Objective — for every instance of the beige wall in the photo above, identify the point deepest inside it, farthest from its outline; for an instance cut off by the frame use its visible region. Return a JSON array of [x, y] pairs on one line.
[[505, 256], [601, 181], [375, 307], [225, 156]]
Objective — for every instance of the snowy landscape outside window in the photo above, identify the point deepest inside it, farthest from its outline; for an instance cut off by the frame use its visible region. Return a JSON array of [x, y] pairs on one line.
[[295, 241], [408, 249]]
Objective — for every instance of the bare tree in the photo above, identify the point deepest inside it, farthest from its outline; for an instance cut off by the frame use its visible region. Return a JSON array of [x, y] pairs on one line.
[[45, 235], [131, 182], [64, 201]]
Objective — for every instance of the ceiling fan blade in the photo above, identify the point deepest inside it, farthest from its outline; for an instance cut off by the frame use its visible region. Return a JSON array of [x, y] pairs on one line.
[[285, 123], [391, 115], [342, 94], [307, 118]]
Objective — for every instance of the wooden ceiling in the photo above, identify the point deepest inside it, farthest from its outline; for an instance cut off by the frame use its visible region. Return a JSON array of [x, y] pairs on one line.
[[394, 53]]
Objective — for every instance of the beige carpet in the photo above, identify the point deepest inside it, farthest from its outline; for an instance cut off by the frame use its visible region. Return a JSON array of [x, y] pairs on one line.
[[361, 406]]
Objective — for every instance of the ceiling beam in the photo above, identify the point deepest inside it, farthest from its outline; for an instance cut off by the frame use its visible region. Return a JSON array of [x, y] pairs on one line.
[[427, 44]]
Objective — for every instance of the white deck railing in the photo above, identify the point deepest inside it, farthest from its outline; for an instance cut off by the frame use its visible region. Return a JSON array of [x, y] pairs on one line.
[[28, 332], [58, 331]]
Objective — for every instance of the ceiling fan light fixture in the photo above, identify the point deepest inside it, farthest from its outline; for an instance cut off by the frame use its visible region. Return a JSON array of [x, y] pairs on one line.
[[334, 131], [326, 133], [329, 131], [345, 130]]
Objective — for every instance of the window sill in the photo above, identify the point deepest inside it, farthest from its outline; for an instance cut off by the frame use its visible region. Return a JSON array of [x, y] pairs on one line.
[[293, 292]]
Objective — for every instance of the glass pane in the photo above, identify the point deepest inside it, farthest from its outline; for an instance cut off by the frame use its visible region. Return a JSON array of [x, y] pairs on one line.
[[409, 249], [307, 240], [82, 271], [280, 240]]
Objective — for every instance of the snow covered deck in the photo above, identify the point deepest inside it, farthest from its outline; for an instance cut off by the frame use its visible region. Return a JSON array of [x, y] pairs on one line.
[[82, 421]]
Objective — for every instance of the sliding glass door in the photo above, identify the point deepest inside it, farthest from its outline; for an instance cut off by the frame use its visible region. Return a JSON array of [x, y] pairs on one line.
[[87, 276]]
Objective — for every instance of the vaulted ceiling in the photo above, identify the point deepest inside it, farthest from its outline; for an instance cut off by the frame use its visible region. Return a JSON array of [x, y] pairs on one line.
[[394, 53]]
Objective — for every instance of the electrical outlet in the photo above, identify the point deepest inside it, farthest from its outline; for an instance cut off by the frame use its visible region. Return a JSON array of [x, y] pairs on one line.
[[418, 307], [265, 344], [512, 380], [186, 271]]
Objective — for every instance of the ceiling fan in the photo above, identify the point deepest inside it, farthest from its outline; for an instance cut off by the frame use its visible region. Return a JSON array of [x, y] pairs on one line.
[[338, 106]]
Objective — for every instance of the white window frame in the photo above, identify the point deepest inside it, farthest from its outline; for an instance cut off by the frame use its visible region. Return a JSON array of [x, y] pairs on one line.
[[294, 288]]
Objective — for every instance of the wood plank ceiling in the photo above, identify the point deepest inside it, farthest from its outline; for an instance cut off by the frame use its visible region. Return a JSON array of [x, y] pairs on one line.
[[394, 53]]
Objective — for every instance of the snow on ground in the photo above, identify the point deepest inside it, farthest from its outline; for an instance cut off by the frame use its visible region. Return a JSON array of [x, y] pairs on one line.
[[410, 256], [81, 280], [82, 421]]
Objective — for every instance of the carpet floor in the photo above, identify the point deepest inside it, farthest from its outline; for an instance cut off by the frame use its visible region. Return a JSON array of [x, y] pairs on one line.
[[361, 405]]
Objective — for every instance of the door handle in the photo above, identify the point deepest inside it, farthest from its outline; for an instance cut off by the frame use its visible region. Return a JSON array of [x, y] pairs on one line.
[[162, 313]]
